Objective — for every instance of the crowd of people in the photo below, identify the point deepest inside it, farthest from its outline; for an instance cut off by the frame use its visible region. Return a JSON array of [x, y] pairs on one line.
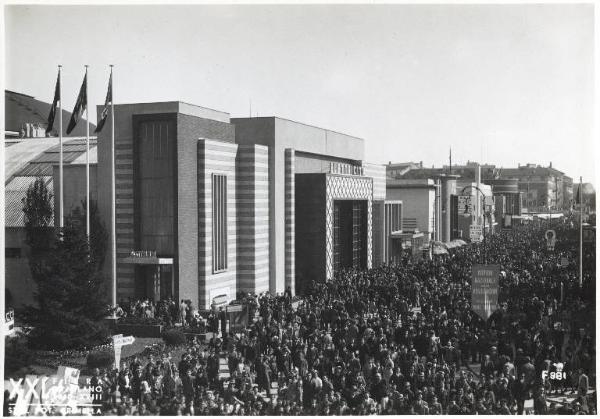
[[393, 340]]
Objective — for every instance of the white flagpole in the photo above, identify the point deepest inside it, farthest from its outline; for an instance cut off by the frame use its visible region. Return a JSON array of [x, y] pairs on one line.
[[113, 186], [61, 206], [87, 158], [580, 231]]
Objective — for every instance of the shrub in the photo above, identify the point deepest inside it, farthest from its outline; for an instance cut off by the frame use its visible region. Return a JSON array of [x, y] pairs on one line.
[[17, 355], [100, 360], [140, 320], [174, 337]]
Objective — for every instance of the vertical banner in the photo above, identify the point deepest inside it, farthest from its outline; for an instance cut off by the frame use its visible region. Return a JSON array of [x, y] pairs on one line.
[[484, 289]]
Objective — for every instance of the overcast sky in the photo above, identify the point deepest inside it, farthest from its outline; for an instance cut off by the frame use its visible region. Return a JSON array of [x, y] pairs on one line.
[[502, 84]]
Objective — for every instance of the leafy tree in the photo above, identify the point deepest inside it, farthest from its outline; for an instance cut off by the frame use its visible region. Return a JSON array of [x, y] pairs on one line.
[[70, 294], [98, 233], [38, 214]]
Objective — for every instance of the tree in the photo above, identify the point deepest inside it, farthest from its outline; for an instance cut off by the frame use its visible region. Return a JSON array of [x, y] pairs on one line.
[[38, 213], [70, 294], [98, 233]]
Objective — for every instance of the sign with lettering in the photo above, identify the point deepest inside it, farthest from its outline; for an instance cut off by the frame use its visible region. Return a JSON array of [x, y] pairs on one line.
[[118, 342], [345, 169], [143, 254], [123, 340], [484, 289], [476, 232], [465, 207], [9, 322]]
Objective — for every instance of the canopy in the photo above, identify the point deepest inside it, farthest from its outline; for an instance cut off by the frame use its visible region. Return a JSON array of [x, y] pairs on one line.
[[439, 248]]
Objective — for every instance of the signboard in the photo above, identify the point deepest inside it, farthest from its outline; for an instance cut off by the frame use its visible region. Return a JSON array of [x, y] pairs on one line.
[[564, 262], [123, 340], [550, 239], [238, 317], [507, 221], [118, 342], [465, 207], [345, 169], [489, 201], [476, 233], [484, 289], [9, 322]]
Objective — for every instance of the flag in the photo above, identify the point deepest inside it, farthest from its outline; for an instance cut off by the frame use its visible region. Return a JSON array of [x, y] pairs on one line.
[[52, 114], [107, 102], [80, 106], [578, 196]]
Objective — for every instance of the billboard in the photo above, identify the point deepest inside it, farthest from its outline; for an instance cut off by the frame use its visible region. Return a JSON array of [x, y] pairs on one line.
[[484, 289]]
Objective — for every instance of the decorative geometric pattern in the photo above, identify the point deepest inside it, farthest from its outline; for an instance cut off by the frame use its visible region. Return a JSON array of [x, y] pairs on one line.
[[351, 188]]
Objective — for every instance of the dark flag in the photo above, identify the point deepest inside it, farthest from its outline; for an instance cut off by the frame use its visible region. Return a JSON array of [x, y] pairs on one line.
[[80, 106], [52, 114], [107, 102], [578, 196]]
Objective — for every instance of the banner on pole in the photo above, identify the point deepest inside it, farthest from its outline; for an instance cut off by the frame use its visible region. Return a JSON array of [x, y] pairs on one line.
[[484, 289]]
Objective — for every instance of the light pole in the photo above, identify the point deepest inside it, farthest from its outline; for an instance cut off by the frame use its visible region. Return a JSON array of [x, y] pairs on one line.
[[484, 214]]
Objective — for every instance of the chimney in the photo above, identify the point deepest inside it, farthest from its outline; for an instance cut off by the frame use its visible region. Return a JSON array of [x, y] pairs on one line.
[[421, 164], [550, 165]]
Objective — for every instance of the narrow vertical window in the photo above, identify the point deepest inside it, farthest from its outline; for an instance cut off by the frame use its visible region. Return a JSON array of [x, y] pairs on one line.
[[219, 218]]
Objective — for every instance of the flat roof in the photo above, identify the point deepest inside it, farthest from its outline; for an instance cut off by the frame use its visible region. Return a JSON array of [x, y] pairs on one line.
[[177, 106]]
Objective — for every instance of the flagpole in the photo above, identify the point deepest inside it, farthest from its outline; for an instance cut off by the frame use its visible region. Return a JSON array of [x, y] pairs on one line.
[[87, 159], [113, 186], [580, 231], [60, 166]]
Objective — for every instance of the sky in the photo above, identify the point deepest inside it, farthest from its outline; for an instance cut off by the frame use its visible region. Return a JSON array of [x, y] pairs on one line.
[[500, 84]]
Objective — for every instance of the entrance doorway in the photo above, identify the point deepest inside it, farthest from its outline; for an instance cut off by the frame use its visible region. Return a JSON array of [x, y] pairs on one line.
[[349, 234], [154, 282]]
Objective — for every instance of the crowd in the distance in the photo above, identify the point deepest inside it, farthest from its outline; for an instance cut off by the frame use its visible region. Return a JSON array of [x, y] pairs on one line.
[[394, 340]]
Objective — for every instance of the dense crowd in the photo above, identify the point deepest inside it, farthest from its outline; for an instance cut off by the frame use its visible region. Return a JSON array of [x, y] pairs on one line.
[[392, 340]]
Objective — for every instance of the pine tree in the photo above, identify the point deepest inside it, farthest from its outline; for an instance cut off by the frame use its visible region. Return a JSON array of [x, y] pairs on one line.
[[98, 233], [38, 213], [70, 294]]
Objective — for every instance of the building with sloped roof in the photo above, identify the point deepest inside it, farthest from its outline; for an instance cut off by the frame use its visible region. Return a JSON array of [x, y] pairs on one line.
[[26, 160], [27, 117]]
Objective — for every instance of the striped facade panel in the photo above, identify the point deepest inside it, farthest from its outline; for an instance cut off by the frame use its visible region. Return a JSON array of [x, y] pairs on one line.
[[124, 215], [216, 158], [392, 222], [290, 220], [253, 218], [377, 172]]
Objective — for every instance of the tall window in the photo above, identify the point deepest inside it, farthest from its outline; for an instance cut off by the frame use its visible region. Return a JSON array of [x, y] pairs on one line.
[[219, 214]]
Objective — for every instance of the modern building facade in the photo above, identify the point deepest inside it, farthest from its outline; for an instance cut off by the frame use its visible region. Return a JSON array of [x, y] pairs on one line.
[[208, 206]]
